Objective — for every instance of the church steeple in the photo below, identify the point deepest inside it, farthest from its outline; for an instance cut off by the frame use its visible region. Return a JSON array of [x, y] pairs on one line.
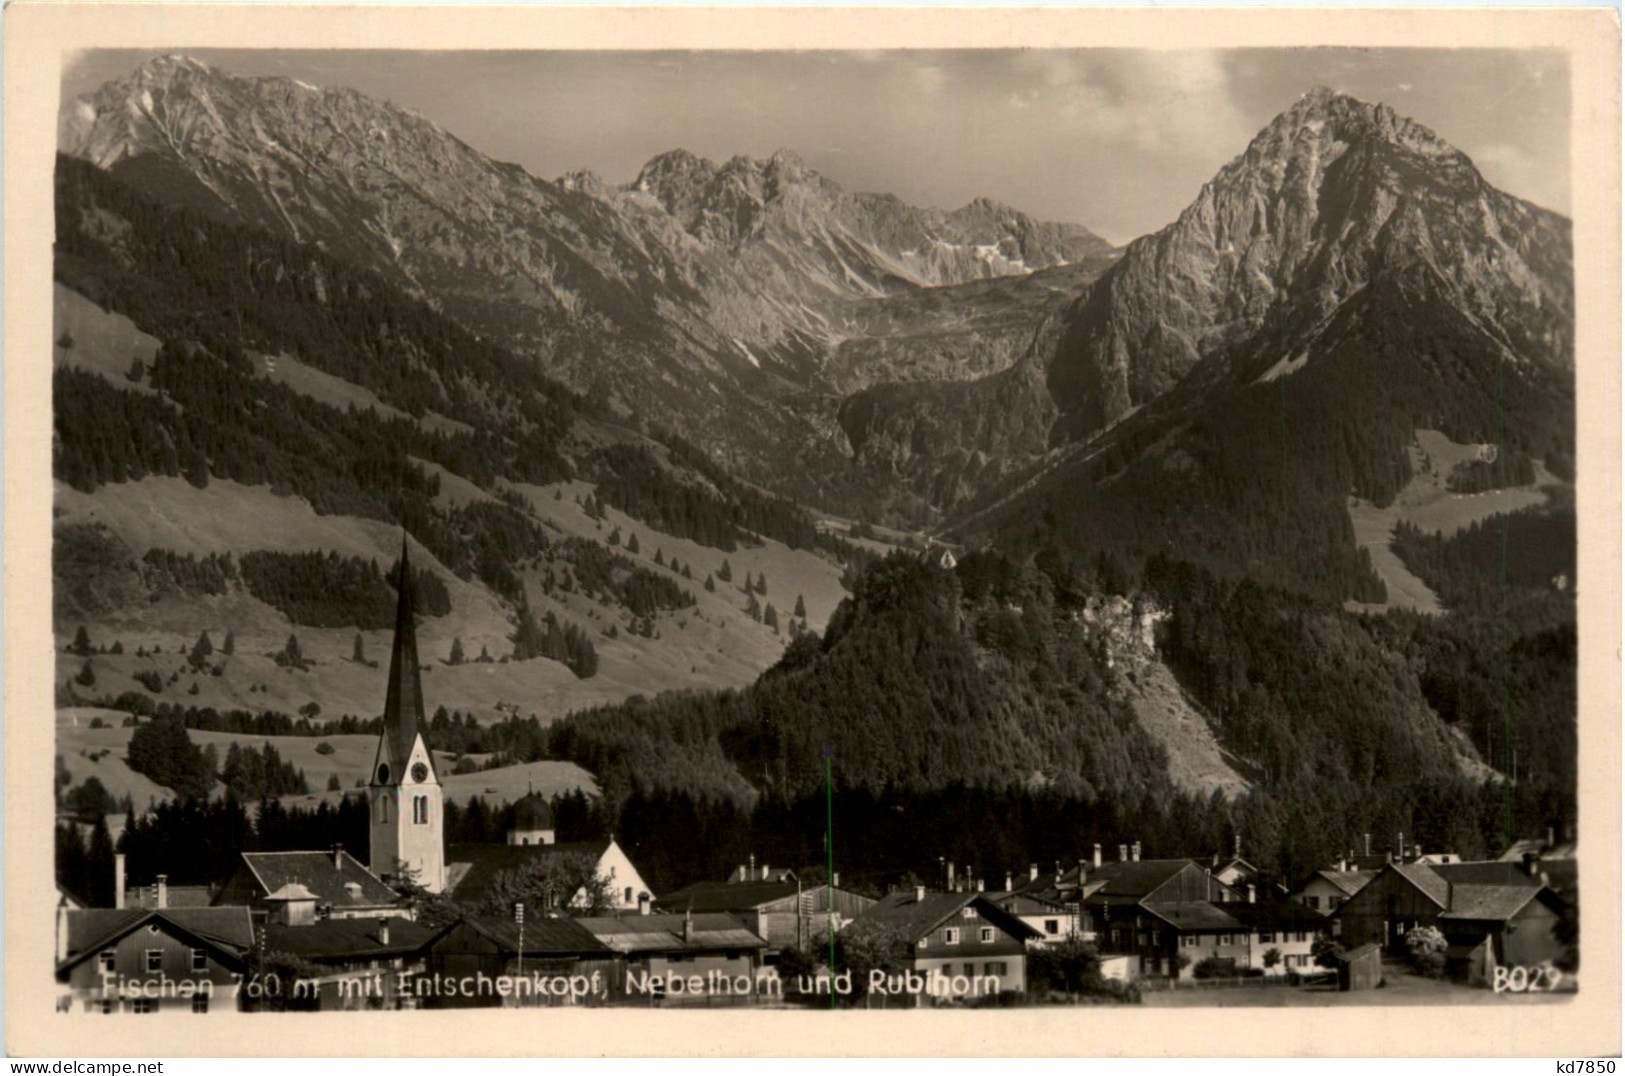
[[407, 837], [403, 701]]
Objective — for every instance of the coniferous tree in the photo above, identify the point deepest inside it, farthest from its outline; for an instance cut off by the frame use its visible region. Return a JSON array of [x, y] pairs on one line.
[[137, 370], [771, 617], [710, 584], [358, 652], [726, 572], [81, 643], [456, 657], [86, 677], [229, 646], [632, 543]]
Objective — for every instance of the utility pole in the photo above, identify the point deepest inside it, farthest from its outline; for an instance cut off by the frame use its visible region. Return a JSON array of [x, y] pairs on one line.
[[519, 917]]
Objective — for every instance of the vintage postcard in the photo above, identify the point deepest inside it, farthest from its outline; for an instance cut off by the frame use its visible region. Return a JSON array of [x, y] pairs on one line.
[[803, 532]]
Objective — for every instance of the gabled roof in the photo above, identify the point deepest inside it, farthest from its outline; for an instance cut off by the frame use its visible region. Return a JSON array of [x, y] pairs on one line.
[[1491, 902], [477, 865], [1131, 881], [1192, 915], [544, 935], [730, 896], [1350, 882], [349, 939], [916, 917], [228, 930], [664, 933], [1487, 872], [1272, 914], [1019, 903], [318, 873], [1422, 876]]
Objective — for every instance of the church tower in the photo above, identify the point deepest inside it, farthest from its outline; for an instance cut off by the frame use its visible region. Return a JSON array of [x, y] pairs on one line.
[[407, 832]]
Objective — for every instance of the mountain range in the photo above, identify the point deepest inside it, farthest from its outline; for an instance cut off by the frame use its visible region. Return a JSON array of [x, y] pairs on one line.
[[592, 404]]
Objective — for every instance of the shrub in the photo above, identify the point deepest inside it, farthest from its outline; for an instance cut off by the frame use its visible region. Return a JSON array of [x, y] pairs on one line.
[[1425, 947]]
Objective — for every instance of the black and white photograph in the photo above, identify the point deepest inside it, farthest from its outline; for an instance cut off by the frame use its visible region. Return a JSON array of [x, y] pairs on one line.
[[829, 530]]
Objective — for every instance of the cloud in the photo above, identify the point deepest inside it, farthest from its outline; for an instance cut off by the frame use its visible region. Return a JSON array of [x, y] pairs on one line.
[[1177, 104]]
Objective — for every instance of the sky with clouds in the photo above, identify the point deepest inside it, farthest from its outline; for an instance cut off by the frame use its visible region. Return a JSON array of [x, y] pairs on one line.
[[1118, 140]]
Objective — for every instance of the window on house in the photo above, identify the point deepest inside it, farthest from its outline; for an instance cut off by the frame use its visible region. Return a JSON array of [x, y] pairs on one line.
[[1156, 937], [155, 960], [628, 894], [1334, 902], [1313, 902], [1266, 936], [106, 957], [383, 808], [951, 936], [970, 970], [107, 1006], [925, 943], [969, 913], [1300, 936], [200, 1002], [200, 960], [996, 967], [145, 1005], [1052, 926], [986, 934], [420, 809], [1190, 941]]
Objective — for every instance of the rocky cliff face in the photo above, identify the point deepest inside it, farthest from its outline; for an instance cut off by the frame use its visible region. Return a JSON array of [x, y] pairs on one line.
[[1332, 195], [1335, 209], [697, 295]]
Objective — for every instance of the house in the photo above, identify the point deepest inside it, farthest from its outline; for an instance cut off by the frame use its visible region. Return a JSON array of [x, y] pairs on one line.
[[364, 963], [1402, 897], [1052, 919], [1174, 937], [469, 962], [958, 943], [1234, 871], [1288, 928], [1516, 925], [322, 885], [147, 960], [473, 868], [1119, 889], [708, 958], [784, 912], [1471, 901], [1326, 891]]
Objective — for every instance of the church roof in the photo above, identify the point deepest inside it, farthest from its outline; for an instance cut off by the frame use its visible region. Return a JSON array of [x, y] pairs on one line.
[[403, 703], [532, 812], [472, 868]]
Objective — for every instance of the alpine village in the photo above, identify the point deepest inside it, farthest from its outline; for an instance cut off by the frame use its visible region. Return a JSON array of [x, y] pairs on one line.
[[793, 597]]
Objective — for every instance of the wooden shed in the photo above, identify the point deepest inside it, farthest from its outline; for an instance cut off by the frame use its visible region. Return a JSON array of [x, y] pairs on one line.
[[1360, 968]]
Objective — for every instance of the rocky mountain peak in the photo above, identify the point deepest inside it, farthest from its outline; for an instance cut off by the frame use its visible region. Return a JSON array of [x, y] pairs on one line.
[[1331, 195]]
